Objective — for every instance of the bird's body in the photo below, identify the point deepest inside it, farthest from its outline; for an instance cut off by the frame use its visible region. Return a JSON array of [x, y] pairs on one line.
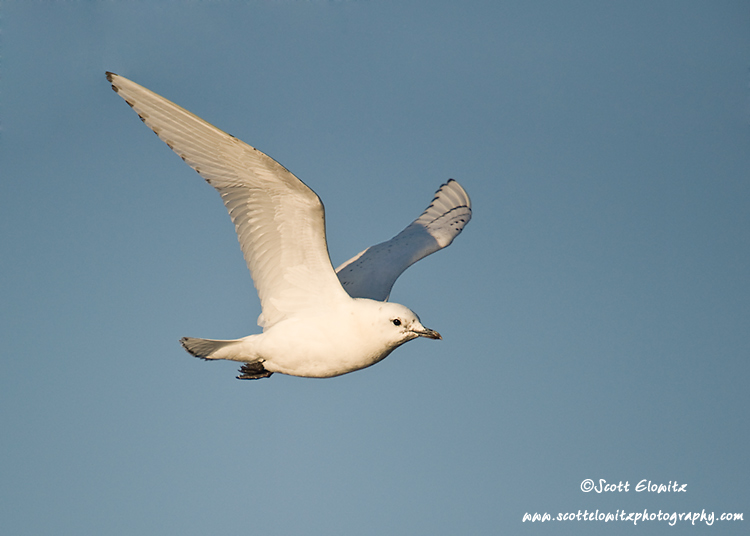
[[352, 335], [316, 323]]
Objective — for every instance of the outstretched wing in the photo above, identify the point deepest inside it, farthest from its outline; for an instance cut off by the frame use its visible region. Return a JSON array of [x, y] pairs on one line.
[[371, 274], [280, 222]]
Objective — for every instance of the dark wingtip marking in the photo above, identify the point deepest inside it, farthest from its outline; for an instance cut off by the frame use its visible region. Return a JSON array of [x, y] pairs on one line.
[[109, 78]]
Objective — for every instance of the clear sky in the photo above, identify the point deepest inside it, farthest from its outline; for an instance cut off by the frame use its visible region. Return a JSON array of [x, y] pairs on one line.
[[595, 312]]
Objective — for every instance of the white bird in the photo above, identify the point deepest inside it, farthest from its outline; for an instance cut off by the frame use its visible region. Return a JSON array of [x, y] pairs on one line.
[[315, 324]]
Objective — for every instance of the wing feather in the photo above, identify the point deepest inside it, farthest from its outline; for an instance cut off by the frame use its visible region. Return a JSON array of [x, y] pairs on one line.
[[280, 222], [372, 273]]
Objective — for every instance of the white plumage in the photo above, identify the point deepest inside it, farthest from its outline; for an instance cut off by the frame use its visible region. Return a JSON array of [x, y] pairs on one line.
[[314, 323]]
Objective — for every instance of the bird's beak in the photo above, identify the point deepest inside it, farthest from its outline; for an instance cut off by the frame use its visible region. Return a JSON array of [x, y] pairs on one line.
[[429, 333]]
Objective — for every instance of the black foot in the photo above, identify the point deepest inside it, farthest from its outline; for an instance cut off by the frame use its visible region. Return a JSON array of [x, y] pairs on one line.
[[253, 371]]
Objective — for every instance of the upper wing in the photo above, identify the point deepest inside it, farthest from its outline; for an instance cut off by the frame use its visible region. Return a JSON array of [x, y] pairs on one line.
[[280, 222], [371, 274]]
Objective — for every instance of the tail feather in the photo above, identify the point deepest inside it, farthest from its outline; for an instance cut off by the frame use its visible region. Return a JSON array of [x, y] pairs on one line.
[[208, 348], [216, 349]]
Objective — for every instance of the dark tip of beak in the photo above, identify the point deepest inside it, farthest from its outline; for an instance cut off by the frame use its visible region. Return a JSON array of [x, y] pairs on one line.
[[429, 333]]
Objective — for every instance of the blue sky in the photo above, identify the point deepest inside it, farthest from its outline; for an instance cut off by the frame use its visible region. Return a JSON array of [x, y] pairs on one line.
[[594, 312]]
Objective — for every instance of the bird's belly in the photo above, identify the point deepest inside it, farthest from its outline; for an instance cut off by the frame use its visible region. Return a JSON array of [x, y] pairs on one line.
[[298, 350], [319, 367]]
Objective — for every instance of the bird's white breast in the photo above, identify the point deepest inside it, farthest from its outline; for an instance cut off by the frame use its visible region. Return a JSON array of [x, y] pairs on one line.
[[325, 343]]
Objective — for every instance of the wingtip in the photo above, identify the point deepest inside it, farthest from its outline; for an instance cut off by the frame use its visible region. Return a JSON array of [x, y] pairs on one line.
[[110, 79], [455, 188]]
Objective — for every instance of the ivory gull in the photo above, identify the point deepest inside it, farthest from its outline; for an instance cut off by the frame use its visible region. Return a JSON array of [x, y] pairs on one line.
[[315, 324]]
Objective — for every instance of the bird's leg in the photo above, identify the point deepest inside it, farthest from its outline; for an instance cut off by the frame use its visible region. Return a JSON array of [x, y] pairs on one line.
[[253, 371]]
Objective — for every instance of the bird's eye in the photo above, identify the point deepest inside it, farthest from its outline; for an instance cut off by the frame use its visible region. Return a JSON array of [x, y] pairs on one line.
[[396, 322]]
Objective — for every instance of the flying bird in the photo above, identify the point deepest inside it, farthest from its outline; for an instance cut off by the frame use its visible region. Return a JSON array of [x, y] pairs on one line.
[[317, 322]]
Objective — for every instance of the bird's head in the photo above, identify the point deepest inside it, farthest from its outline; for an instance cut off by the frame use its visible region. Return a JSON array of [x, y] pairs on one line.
[[399, 324]]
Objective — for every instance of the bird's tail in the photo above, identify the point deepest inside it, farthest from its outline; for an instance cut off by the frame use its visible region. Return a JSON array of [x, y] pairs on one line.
[[235, 350], [211, 349]]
